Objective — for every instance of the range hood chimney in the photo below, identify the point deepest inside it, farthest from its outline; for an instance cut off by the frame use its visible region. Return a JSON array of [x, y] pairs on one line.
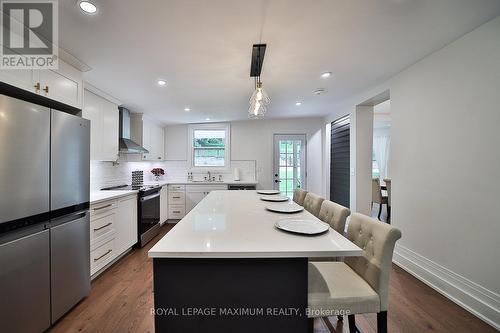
[[127, 146]]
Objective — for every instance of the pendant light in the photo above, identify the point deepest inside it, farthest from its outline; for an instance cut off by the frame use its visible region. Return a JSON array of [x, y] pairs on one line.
[[259, 99], [258, 102]]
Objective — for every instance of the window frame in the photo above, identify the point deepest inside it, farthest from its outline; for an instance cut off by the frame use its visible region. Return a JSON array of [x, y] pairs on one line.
[[227, 146]]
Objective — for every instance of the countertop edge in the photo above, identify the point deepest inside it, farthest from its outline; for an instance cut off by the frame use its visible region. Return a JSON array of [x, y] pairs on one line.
[[165, 183], [112, 196], [263, 255]]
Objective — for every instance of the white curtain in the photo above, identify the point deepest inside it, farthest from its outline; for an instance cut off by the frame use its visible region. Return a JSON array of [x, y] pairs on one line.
[[381, 148]]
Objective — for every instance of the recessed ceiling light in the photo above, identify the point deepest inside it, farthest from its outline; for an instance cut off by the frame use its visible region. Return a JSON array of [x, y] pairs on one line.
[[207, 119], [87, 7], [298, 103], [326, 74], [187, 109], [318, 91], [162, 82]]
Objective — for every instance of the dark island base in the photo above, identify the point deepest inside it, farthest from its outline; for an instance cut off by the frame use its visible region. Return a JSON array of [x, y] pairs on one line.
[[237, 295]]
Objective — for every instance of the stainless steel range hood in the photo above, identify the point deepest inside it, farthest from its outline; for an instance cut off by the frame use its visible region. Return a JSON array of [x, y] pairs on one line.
[[128, 146]]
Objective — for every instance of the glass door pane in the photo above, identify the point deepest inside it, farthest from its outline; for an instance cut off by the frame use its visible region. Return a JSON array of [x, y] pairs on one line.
[[289, 162]]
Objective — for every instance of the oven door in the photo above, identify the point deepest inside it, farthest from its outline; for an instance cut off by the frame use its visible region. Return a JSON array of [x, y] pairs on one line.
[[149, 216]]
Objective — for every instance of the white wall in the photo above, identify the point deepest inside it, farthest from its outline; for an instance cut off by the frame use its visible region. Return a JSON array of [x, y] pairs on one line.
[[361, 160], [176, 143], [253, 140], [445, 164]]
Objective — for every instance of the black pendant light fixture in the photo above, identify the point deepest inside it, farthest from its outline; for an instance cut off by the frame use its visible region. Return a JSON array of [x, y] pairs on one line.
[[259, 99]]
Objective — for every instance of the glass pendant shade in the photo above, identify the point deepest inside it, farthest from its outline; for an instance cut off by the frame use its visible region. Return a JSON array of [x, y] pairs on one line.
[[258, 102]]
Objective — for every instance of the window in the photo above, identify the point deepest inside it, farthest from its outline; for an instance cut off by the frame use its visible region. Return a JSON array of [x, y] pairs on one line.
[[375, 168], [209, 146]]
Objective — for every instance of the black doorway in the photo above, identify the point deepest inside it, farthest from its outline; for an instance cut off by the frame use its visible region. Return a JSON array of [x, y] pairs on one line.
[[340, 161]]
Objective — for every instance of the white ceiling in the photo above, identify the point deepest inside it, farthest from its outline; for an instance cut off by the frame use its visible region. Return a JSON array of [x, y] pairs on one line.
[[202, 49]]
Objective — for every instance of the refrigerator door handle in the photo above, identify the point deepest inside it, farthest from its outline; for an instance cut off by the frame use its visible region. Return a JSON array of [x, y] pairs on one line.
[[67, 218]]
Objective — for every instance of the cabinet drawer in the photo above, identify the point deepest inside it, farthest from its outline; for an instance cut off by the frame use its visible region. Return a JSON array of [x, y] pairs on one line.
[[178, 188], [102, 255], [103, 208], [176, 212], [176, 198], [102, 224]]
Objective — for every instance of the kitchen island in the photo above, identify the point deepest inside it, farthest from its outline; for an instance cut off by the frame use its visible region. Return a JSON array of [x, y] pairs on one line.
[[225, 266]]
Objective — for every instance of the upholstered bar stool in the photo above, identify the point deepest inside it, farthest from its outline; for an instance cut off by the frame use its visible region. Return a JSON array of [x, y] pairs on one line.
[[299, 195], [334, 214], [312, 203], [359, 284]]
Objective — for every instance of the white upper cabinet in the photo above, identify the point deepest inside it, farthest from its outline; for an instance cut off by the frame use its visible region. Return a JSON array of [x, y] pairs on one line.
[[21, 78], [64, 85], [104, 122], [148, 134]]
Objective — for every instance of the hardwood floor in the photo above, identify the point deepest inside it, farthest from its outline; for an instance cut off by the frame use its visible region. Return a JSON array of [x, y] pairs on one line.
[[121, 300]]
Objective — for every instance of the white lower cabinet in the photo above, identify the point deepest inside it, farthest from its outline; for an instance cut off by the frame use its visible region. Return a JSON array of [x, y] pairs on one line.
[[163, 204], [126, 226], [196, 193], [113, 230], [176, 201], [102, 255], [176, 212]]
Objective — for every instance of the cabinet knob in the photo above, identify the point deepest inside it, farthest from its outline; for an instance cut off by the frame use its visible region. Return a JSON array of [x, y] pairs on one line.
[[46, 89], [159, 157], [37, 86]]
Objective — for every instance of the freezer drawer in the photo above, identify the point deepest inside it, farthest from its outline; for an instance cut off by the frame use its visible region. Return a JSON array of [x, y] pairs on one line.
[[70, 160], [70, 267], [25, 284], [24, 162]]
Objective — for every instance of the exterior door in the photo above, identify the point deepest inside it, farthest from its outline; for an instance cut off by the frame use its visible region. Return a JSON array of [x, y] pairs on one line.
[[289, 163]]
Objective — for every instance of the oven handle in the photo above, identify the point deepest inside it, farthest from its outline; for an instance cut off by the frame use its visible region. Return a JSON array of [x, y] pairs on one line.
[[149, 197]]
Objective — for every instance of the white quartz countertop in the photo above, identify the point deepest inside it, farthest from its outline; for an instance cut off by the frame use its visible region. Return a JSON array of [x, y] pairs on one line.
[[235, 224], [99, 196], [185, 182]]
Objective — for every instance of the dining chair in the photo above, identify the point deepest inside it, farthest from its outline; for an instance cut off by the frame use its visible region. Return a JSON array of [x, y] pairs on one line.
[[334, 214], [299, 195], [387, 182], [359, 284], [312, 203], [377, 196]]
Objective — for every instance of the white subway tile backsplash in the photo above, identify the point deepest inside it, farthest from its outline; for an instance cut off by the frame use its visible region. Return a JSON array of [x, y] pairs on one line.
[[105, 174]]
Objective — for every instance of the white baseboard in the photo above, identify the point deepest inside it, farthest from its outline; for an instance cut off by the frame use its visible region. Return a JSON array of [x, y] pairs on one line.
[[476, 299]]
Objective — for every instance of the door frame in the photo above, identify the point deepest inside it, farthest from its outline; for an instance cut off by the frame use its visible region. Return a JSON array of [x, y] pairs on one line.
[[291, 136]]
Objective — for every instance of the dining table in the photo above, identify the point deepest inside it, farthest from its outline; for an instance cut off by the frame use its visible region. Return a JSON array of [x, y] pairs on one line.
[[226, 267]]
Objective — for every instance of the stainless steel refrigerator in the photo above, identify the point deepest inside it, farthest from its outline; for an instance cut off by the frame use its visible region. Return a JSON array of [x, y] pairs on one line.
[[44, 220]]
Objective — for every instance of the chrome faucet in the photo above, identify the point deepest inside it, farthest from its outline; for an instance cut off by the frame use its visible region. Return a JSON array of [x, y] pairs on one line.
[[209, 176]]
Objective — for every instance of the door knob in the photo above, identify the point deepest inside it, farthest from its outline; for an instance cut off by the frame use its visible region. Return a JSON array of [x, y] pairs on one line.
[[277, 181], [46, 89], [37, 86]]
